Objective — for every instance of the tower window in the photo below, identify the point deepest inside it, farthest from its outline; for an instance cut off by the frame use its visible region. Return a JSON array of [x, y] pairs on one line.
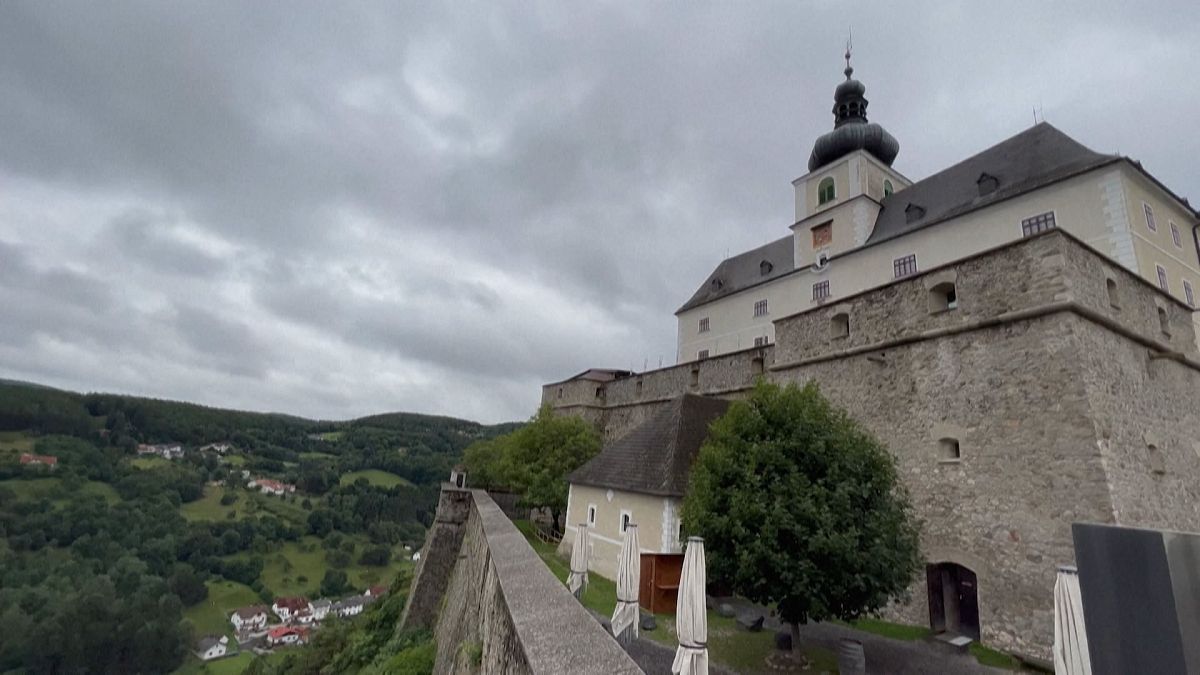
[[1175, 236], [887, 188], [826, 191], [560, 392], [905, 266], [1149, 217], [943, 297], [822, 235], [703, 325], [1038, 223], [760, 308], [821, 291], [1162, 278]]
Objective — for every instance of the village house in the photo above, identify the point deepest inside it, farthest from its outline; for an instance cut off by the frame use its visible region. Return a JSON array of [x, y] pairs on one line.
[[212, 647], [271, 487], [287, 635], [39, 460], [351, 606], [285, 608], [376, 591], [164, 450], [249, 618], [219, 448], [320, 608]]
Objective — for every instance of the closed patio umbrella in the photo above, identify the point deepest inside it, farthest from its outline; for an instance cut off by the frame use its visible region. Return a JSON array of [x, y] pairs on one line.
[[691, 617], [625, 616], [1071, 655], [577, 581]]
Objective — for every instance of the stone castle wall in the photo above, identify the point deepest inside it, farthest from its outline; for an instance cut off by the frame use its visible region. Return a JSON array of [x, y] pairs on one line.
[[1043, 375], [493, 604]]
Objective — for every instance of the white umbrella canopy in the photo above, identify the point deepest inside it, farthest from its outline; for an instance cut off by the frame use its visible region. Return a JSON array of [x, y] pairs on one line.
[[1071, 655], [577, 581], [629, 572], [691, 615]]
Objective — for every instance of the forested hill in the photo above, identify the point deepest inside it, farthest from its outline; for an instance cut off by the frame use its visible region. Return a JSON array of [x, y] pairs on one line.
[[150, 548]]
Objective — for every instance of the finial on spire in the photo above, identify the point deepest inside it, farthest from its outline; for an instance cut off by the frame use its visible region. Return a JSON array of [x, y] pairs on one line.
[[849, 46]]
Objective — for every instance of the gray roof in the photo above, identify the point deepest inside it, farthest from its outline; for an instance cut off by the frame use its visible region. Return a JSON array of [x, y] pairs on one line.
[[1032, 159], [744, 271], [323, 602], [204, 643], [656, 457]]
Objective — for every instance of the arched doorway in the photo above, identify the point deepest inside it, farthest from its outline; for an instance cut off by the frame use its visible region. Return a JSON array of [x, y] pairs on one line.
[[953, 599]]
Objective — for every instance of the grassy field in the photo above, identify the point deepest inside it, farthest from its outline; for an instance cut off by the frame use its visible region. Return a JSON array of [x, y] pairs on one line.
[[374, 477], [211, 615], [149, 462], [50, 488], [15, 442], [235, 460], [316, 455], [209, 506], [306, 558], [233, 665]]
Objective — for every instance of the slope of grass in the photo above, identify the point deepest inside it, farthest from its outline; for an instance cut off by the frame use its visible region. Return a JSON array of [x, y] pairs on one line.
[[234, 460], [15, 442], [149, 462], [210, 616], [374, 477], [233, 665], [52, 489], [305, 558], [209, 507]]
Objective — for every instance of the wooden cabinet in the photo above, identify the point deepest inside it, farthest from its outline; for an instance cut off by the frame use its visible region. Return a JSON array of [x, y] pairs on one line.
[[660, 582]]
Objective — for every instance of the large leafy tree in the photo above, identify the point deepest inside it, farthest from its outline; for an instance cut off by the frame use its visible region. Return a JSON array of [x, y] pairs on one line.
[[801, 508], [534, 460]]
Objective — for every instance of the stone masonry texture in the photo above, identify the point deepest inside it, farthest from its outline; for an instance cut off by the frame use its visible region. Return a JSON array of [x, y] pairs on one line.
[[1067, 407]]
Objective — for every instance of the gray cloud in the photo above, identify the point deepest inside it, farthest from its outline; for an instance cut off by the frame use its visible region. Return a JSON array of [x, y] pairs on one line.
[[334, 210]]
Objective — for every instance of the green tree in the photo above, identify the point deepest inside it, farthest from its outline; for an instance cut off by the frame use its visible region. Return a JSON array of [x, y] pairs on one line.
[[334, 583], [802, 508], [484, 460], [377, 556], [538, 457]]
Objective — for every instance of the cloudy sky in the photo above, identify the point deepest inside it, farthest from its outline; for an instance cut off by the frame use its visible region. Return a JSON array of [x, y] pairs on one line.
[[335, 209]]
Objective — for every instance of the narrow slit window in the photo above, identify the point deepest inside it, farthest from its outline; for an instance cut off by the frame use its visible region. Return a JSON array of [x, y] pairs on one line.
[[1149, 217], [1164, 322], [1187, 292], [1111, 286], [1162, 278], [1175, 236]]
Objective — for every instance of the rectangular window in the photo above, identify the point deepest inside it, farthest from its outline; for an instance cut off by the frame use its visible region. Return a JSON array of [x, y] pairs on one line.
[[760, 308], [1187, 291], [591, 514], [1175, 236], [1038, 223], [760, 341], [702, 354], [624, 521], [905, 266], [1149, 217], [822, 235], [704, 325], [1162, 278], [821, 290]]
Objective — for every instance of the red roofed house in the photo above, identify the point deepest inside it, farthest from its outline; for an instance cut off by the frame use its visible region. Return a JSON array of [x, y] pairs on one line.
[[287, 635], [271, 487], [376, 591], [44, 460], [285, 608]]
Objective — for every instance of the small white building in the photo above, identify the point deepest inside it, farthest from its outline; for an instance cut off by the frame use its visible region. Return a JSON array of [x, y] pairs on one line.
[[351, 606], [212, 647], [320, 609], [249, 618], [286, 608]]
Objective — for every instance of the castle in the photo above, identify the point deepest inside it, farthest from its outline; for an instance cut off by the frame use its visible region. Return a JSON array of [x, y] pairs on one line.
[[1018, 329]]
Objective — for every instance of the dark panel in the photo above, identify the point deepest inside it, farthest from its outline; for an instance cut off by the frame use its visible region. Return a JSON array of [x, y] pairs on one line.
[[937, 610], [1128, 603], [1183, 557], [968, 603]]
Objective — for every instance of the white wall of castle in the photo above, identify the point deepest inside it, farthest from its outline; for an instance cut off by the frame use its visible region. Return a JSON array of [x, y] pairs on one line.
[[1103, 208]]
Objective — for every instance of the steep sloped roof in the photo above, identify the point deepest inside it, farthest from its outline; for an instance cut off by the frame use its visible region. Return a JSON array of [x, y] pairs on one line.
[[1032, 159], [655, 457], [745, 271]]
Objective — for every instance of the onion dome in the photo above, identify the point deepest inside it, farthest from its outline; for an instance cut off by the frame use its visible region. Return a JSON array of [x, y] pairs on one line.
[[851, 130]]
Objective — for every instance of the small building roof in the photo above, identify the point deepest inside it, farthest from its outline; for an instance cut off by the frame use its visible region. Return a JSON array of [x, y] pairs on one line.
[[251, 612], [207, 642], [294, 604], [323, 602], [655, 457]]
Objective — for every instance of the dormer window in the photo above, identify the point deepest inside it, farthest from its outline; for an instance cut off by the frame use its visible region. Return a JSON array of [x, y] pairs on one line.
[[717, 284], [765, 267], [913, 213], [987, 184], [826, 191]]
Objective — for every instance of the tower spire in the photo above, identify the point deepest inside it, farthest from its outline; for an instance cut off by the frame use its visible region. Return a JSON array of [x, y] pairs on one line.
[[849, 46]]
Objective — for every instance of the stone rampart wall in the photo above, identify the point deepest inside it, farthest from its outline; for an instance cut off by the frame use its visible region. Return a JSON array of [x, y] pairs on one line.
[[498, 608]]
